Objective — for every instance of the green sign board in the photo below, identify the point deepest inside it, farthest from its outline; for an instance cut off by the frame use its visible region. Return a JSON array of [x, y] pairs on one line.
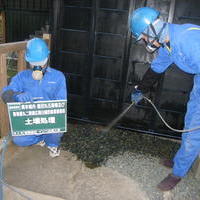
[[40, 117]]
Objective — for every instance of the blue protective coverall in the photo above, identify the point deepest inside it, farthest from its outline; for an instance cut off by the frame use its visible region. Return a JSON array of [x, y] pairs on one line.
[[51, 87], [185, 53]]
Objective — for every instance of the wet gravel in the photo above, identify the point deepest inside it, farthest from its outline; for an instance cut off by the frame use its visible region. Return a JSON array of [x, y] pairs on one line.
[[132, 154]]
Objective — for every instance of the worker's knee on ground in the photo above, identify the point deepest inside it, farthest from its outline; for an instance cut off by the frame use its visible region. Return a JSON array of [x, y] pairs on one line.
[[53, 140], [23, 140]]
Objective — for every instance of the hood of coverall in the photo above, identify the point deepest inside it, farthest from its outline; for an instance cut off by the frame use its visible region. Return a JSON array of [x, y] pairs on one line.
[[161, 28], [156, 32]]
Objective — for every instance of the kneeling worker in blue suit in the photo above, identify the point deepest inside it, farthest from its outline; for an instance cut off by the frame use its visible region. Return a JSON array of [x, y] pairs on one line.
[[179, 44], [42, 83]]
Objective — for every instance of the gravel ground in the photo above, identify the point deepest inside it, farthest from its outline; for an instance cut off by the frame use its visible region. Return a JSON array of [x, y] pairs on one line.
[[132, 154], [146, 171]]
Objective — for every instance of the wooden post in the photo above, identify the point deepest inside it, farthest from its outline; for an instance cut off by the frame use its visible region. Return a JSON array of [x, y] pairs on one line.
[[47, 37], [2, 27], [4, 122], [21, 64]]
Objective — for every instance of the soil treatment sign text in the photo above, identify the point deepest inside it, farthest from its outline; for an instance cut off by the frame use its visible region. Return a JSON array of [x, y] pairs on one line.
[[41, 117]]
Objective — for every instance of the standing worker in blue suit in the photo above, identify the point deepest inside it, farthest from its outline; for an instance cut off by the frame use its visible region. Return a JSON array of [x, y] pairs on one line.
[[40, 83], [179, 44]]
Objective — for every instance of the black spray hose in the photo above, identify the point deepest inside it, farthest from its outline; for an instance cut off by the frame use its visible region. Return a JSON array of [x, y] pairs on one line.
[[166, 124], [109, 126]]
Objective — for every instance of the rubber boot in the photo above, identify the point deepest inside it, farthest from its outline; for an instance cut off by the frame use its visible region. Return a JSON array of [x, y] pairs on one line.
[[169, 182]]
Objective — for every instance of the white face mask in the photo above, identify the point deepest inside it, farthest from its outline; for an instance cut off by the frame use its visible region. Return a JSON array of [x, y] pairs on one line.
[[39, 68], [151, 48], [38, 72]]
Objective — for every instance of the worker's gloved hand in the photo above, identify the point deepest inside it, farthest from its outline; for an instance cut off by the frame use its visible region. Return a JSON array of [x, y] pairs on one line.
[[8, 96], [24, 97], [136, 96]]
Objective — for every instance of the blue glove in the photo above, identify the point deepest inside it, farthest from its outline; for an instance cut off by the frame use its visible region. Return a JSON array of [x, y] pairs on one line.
[[136, 96], [24, 97]]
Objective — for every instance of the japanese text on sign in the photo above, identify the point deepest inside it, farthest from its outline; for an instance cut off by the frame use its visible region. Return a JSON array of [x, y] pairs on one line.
[[42, 117]]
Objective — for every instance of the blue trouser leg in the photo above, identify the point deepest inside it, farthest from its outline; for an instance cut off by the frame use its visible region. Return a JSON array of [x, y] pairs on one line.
[[53, 140], [27, 140], [188, 152], [190, 146]]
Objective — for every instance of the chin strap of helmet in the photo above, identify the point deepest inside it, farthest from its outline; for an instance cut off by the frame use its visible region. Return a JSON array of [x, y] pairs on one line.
[[151, 39]]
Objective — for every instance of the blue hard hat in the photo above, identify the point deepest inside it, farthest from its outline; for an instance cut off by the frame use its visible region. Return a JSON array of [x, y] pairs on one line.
[[36, 50], [141, 18]]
